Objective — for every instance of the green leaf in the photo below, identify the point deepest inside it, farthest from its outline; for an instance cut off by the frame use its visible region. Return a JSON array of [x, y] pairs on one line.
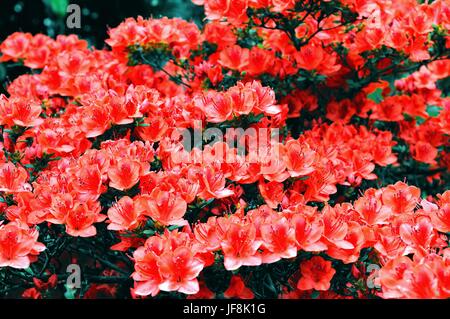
[[58, 7], [149, 232], [352, 84], [419, 120], [30, 271], [70, 292], [252, 118], [203, 204], [173, 227], [433, 110], [376, 96], [268, 282], [315, 294], [2, 72]]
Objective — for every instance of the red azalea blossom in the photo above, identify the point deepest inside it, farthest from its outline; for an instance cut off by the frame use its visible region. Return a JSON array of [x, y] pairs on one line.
[[316, 274], [237, 289]]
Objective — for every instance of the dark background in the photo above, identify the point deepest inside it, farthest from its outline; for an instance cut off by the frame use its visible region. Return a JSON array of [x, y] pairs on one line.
[[49, 16]]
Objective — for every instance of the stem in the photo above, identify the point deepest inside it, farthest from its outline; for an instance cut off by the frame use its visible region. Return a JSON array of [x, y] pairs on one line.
[[101, 260], [108, 280]]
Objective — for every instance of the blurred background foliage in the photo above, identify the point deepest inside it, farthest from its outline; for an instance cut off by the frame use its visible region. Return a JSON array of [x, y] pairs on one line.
[[49, 17]]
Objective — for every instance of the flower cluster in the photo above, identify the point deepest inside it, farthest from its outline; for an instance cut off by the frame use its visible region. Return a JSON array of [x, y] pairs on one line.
[[385, 219], [271, 152]]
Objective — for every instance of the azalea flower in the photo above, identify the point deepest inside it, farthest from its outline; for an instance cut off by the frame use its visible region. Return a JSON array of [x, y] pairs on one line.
[[123, 215], [237, 289], [13, 179], [316, 274], [18, 244]]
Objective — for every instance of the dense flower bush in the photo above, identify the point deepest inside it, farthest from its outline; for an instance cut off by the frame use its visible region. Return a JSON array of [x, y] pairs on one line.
[[285, 149]]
